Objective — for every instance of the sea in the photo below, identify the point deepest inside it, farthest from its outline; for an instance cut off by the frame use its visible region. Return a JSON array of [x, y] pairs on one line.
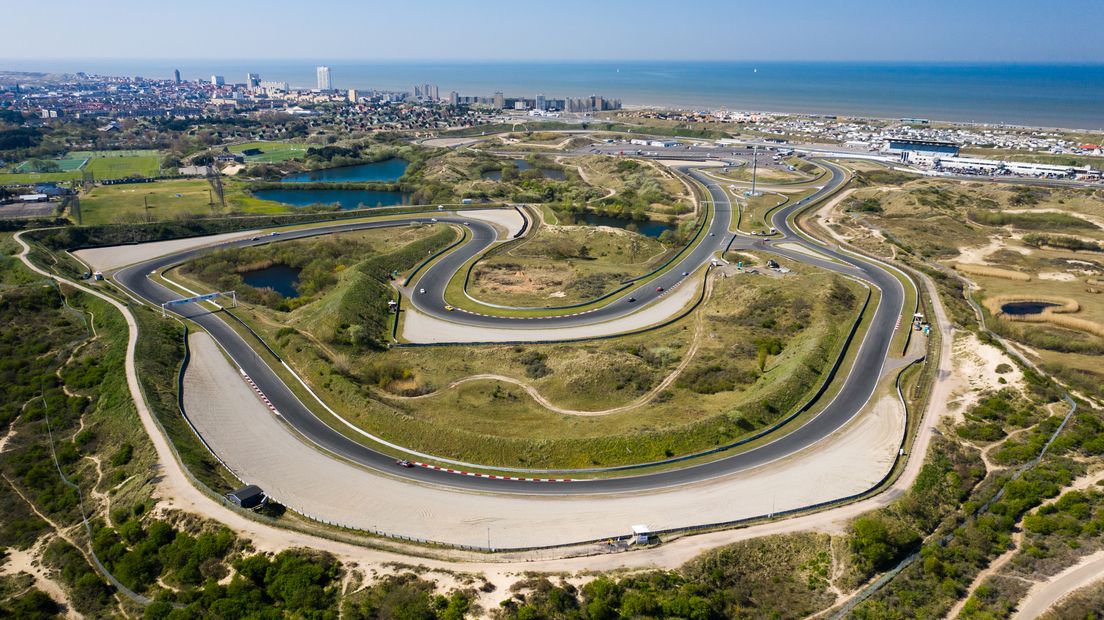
[[1038, 95]]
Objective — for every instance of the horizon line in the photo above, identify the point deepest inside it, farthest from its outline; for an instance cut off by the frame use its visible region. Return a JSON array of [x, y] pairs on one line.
[[559, 60]]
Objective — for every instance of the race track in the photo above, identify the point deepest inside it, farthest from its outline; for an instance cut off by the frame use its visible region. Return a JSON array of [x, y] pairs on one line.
[[852, 396]]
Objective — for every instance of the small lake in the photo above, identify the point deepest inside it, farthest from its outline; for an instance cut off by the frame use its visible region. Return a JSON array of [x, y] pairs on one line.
[[1022, 308], [386, 170], [648, 228], [346, 198], [280, 278], [522, 164]]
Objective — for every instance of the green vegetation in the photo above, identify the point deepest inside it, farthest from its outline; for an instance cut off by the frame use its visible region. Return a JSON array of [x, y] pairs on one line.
[[450, 176], [347, 275], [881, 538], [1063, 242], [407, 596], [65, 398], [1032, 221], [772, 577], [563, 265], [633, 188], [866, 205], [32, 605], [963, 531], [726, 397], [988, 420]]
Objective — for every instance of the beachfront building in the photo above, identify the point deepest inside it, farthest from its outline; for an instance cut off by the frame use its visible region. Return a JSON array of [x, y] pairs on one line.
[[323, 75]]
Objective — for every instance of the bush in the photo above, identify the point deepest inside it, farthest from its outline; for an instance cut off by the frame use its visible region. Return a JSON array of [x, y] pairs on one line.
[[879, 543], [534, 363]]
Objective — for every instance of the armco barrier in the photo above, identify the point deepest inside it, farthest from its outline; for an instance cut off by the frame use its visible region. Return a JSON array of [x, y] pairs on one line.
[[524, 222]]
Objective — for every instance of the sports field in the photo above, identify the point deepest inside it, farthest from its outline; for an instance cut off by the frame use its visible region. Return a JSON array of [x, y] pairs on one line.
[[70, 162], [167, 200], [120, 167], [118, 153], [271, 152], [100, 164], [26, 178]]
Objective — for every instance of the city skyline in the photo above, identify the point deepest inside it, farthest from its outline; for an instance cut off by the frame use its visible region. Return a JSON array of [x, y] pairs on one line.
[[942, 31]]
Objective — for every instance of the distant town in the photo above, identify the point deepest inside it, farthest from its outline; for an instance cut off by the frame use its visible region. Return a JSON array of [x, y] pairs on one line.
[[82, 95]]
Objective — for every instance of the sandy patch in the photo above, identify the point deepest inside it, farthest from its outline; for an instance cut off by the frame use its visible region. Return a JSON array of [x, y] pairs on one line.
[[977, 255], [1059, 276], [975, 371], [29, 562], [116, 256]]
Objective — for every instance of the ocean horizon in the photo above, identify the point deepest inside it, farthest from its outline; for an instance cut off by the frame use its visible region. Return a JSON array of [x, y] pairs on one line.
[[1039, 95]]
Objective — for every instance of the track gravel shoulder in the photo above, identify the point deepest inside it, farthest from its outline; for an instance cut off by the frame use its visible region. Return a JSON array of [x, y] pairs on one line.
[[261, 450], [421, 328], [115, 256]]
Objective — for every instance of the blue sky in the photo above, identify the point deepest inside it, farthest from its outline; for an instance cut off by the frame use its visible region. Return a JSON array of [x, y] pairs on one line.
[[939, 30]]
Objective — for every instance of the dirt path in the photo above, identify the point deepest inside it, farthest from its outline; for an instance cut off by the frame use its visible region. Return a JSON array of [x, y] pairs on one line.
[[1043, 595], [61, 532], [30, 562], [532, 391], [587, 179]]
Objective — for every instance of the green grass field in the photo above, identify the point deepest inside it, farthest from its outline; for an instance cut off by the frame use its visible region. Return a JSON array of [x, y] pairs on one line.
[[123, 167], [271, 152], [26, 178], [119, 153], [65, 164], [167, 199], [101, 164]]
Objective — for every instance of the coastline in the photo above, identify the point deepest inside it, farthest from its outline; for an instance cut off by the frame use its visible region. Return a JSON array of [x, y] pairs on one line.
[[1042, 96]]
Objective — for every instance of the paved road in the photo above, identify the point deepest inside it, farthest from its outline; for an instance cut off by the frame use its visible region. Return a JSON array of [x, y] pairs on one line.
[[853, 395]]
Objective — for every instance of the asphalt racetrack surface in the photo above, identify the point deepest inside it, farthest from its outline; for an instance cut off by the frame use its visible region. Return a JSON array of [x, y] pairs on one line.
[[857, 388]]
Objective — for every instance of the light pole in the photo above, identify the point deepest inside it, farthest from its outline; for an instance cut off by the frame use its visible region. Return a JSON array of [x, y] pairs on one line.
[[754, 167]]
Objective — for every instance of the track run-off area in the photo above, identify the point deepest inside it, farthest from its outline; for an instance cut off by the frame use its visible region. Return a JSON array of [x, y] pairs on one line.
[[444, 501]]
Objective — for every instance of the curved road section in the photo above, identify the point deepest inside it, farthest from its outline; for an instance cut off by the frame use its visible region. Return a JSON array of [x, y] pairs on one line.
[[856, 390]]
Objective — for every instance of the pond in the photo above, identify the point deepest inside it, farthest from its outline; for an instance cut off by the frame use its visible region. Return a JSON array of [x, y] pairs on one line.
[[386, 170], [346, 198], [522, 164], [648, 228], [1022, 308], [280, 278]]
